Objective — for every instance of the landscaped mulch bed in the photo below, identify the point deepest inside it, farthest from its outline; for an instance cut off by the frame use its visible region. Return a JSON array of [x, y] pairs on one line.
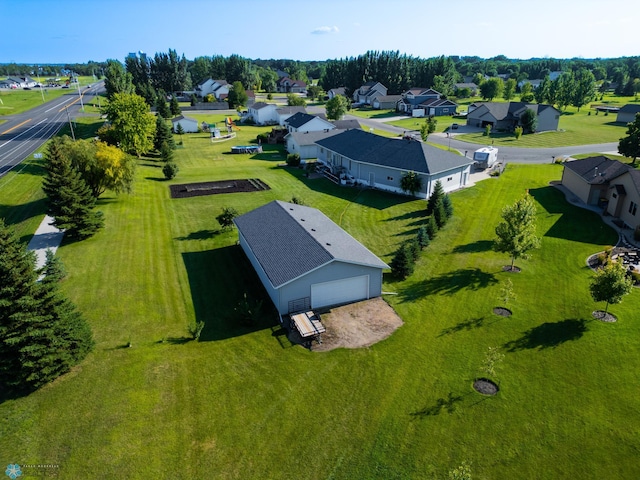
[[485, 386], [502, 311], [213, 188], [604, 316]]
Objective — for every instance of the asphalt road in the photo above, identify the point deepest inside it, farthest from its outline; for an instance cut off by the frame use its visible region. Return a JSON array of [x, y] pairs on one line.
[[508, 154], [23, 133]]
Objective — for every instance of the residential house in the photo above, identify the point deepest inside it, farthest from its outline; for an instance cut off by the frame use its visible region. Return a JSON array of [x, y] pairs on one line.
[[304, 143], [425, 102], [22, 81], [218, 88], [386, 102], [506, 115], [189, 125], [602, 181], [263, 113], [337, 91], [305, 260], [303, 122], [627, 114], [368, 92], [346, 124], [283, 113], [381, 162], [473, 88], [287, 85]]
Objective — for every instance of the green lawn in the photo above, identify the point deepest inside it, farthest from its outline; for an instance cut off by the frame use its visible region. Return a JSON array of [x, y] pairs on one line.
[[18, 101], [243, 403]]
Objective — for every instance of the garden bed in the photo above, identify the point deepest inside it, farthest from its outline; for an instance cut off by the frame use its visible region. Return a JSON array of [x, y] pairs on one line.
[[213, 188]]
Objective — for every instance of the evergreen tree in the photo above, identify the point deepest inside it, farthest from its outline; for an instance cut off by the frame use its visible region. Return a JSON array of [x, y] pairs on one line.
[[423, 237], [70, 200], [432, 227], [448, 206], [162, 107], [170, 170], [163, 134], [413, 247], [166, 152], [42, 335], [53, 267], [436, 194], [174, 106], [440, 214], [402, 263]]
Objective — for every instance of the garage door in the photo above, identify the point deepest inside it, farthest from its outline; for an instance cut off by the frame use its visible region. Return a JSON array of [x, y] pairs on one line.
[[340, 291]]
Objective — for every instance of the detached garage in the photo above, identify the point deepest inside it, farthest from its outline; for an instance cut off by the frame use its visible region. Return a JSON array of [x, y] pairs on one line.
[[305, 260]]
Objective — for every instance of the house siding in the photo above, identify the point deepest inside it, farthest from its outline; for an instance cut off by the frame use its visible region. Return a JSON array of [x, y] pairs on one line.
[[579, 187], [631, 196]]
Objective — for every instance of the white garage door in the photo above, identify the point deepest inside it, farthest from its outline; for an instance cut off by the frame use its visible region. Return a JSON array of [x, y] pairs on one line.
[[340, 291]]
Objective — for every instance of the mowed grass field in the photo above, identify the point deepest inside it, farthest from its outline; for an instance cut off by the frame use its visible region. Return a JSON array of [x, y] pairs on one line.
[[243, 403]]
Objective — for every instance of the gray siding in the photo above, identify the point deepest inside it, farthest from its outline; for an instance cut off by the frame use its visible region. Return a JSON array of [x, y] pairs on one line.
[[272, 292], [301, 287]]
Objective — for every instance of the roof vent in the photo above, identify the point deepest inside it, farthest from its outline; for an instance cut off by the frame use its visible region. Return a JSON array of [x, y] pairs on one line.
[[302, 219], [328, 244], [313, 229]]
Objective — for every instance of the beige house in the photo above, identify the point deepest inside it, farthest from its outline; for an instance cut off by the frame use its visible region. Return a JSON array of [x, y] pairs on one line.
[[601, 181]]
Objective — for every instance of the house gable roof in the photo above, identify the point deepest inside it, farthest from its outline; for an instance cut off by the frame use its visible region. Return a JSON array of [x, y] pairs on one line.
[[182, 117], [261, 105], [346, 124], [290, 241], [630, 108], [299, 119], [506, 110], [291, 110], [310, 138], [401, 154], [597, 170]]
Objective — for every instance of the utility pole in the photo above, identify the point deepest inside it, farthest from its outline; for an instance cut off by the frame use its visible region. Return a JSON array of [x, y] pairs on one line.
[[70, 124]]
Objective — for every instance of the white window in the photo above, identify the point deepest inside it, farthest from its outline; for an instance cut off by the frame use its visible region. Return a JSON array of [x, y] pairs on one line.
[[449, 179], [633, 207]]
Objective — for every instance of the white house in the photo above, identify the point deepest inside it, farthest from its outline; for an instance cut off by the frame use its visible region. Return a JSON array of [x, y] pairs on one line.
[[381, 162], [303, 122], [263, 113], [189, 125], [218, 88]]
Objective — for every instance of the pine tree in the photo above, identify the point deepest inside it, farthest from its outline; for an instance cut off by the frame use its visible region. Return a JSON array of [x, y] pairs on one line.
[[53, 267], [41, 333], [71, 202], [161, 106], [432, 227], [440, 214], [163, 134], [174, 106], [436, 194], [166, 152], [448, 207], [402, 263], [423, 237]]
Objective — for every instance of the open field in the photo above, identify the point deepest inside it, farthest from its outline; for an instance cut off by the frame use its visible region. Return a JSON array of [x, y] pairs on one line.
[[243, 403]]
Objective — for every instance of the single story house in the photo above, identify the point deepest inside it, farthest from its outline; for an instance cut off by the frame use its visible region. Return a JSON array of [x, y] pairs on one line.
[[386, 102], [627, 114], [599, 180], [287, 85], [263, 113], [304, 143], [473, 88], [189, 125], [22, 81], [506, 115], [303, 122], [346, 124], [426, 102], [589, 178], [381, 162], [367, 92], [305, 260], [337, 91]]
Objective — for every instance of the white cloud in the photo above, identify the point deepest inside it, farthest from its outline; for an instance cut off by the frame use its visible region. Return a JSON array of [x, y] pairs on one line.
[[324, 30]]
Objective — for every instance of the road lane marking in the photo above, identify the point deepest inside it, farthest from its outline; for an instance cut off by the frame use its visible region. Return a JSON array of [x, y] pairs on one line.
[[13, 128]]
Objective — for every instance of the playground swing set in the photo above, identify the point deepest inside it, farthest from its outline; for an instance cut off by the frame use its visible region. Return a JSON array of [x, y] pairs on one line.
[[218, 136]]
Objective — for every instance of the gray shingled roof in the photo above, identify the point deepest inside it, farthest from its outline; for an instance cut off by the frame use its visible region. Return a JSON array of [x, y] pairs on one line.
[[597, 170], [299, 119], [630, 108], [310, 138], [290, 240], [347, 124], [410, 155]]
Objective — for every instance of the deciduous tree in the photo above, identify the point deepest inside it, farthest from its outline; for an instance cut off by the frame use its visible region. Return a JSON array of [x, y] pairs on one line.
[[516, 234], [529, 120], [610, 284], [336, 107], [428, 127], [133, 124], [629, 146], [411, 183], [117, 79]]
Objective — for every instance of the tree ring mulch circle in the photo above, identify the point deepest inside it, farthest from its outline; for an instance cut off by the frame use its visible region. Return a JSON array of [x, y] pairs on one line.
[[604, 316], [212, 188], [507, 268], [502, 311], [485, 386]]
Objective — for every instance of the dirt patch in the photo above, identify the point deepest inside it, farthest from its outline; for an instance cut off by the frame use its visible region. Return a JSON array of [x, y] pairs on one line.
[[502, 311], [508, 268], [485, 386], [213, 188], [357, 325], [604, 316]]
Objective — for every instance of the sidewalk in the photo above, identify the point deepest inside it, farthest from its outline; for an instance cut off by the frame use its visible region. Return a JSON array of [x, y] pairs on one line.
[[47, 237]]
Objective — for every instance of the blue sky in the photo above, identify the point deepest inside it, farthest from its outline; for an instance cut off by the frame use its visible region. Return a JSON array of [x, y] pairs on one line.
[[72, 31]]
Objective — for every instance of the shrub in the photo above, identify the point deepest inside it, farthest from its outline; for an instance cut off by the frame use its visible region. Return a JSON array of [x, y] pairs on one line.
[[414, 249], [432, 227], [225, 219], [170, 170], [297, 201], [269, 96], [423, 237], [293, 159], [635, 277], [262, 137]]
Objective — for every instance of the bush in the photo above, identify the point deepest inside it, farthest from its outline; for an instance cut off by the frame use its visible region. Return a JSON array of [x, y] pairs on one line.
[[297, 201], [414, 249], [423, 237], [262, 138], [170, 170], [225, 219], [269, 96], [293, 160]]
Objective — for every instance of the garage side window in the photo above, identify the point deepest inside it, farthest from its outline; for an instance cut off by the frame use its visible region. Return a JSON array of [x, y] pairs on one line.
[[633, 207]]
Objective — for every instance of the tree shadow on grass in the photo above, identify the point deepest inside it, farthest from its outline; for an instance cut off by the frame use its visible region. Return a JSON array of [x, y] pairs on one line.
[[448, 405], [475, 247], [449, 283], [549, 335], [14, 214], [471, 324], [200, 235], [219, 279]]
